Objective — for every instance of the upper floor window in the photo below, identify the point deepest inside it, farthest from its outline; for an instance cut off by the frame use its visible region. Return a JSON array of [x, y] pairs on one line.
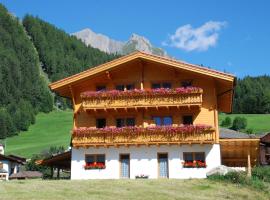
[[186, 83], [101, 88], [187, 119], [121, 122], [123, 87], [163, 121], [161, 85], [101, 123]]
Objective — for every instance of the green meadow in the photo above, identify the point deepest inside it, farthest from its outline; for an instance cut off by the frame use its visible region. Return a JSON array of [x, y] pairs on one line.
[[128, 189]]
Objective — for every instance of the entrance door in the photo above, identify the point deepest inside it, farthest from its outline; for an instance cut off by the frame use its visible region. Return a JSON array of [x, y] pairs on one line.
[[163, 165], [124, 165]]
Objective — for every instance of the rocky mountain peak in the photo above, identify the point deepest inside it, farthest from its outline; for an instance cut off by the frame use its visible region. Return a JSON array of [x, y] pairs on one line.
[[106, 44]]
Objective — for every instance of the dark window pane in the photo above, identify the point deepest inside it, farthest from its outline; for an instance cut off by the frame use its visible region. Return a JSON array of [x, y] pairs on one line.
[[163, 156], [100, 158], [167, 85], [120, 87], [101, 88], [130, 122], [101, 123], [120, 123], [157, 121], [130, 87], [167, 121], [200, 156], [156, 85], [187, 119], [188, 157], [89, 159], [186, 83]]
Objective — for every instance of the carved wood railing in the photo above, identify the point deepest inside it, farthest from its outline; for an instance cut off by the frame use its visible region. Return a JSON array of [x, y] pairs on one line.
[[143, 136], [143, 99]]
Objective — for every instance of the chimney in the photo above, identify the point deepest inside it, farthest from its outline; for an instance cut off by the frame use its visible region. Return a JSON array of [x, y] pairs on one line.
[[2, 149]]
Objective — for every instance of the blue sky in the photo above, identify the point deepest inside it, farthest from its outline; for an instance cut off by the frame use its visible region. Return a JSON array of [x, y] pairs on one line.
[[226, 35]]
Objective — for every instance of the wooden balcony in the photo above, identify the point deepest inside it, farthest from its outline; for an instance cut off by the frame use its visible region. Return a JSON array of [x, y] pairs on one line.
[[86, 137], [142, 99]]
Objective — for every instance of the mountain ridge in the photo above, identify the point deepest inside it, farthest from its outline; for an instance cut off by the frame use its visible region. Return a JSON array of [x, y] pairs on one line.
[[108, 45]]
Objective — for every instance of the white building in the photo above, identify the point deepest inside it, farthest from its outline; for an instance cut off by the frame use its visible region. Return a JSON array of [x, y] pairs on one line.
[[9, 164]]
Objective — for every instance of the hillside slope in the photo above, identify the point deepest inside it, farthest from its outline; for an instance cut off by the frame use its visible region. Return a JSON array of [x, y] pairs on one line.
[[52, 129], [23, 90]]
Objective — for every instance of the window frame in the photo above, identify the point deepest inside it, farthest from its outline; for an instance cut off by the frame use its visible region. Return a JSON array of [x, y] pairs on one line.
[[161, 85], [188, 115], [125, 121], [194, 159], [125, 86], [100, 119], [95, 156], [162, 120], [101, 86]]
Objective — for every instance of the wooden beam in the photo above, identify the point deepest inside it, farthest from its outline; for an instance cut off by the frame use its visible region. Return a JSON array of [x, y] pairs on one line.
[[249, 165]]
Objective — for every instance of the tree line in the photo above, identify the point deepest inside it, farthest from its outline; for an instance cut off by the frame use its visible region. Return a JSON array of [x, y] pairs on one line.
[[32, 54], [252, 95]]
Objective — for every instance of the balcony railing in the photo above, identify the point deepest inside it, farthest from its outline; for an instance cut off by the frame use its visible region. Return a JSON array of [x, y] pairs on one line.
[[189, 96], [188, 134]]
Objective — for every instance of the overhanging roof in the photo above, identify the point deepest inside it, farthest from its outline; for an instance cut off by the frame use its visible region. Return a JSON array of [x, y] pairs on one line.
[[58, 85]]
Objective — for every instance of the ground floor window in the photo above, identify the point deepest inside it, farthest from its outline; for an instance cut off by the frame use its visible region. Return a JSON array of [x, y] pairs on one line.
[[194, 160], [95, 161]]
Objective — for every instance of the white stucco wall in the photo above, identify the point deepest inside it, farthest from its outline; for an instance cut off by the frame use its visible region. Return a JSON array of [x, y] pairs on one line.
[[143, 160]]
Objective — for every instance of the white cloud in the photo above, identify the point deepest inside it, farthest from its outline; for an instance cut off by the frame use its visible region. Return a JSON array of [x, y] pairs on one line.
[[195, 39]]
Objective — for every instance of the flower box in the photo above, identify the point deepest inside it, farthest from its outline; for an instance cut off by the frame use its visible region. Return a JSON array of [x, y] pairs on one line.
[[142, 176], [194, 164], [139, 92], [95, 165]]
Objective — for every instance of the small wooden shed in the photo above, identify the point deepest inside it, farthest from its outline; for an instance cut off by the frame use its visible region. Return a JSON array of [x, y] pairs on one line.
[[239, 149], [265, 149]]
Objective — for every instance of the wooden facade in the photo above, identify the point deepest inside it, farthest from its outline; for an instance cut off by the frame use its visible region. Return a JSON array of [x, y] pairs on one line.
[[143, 71]]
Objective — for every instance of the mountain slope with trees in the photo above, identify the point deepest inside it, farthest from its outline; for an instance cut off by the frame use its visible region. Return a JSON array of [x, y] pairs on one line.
[[33, 53], [252, 95], [23, 90], [61, 55]]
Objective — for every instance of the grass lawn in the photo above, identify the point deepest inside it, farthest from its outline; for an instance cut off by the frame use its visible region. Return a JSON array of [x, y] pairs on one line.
[[51, 129], [258, 122], [127, 189]]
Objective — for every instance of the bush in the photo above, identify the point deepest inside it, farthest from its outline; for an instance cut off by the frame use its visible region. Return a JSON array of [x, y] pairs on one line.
[[239, 123], [250, 131], [226, 122], [241, 178], [262, 173]]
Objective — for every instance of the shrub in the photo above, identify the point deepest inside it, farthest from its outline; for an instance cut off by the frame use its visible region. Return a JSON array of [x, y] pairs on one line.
[[226, 122], [239, 123], [241, 178], [262, 173], [249, 131]]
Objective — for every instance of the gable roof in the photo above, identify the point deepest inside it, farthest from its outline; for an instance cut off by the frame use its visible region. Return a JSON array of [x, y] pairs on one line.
[[13, 158], [56, 86]]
